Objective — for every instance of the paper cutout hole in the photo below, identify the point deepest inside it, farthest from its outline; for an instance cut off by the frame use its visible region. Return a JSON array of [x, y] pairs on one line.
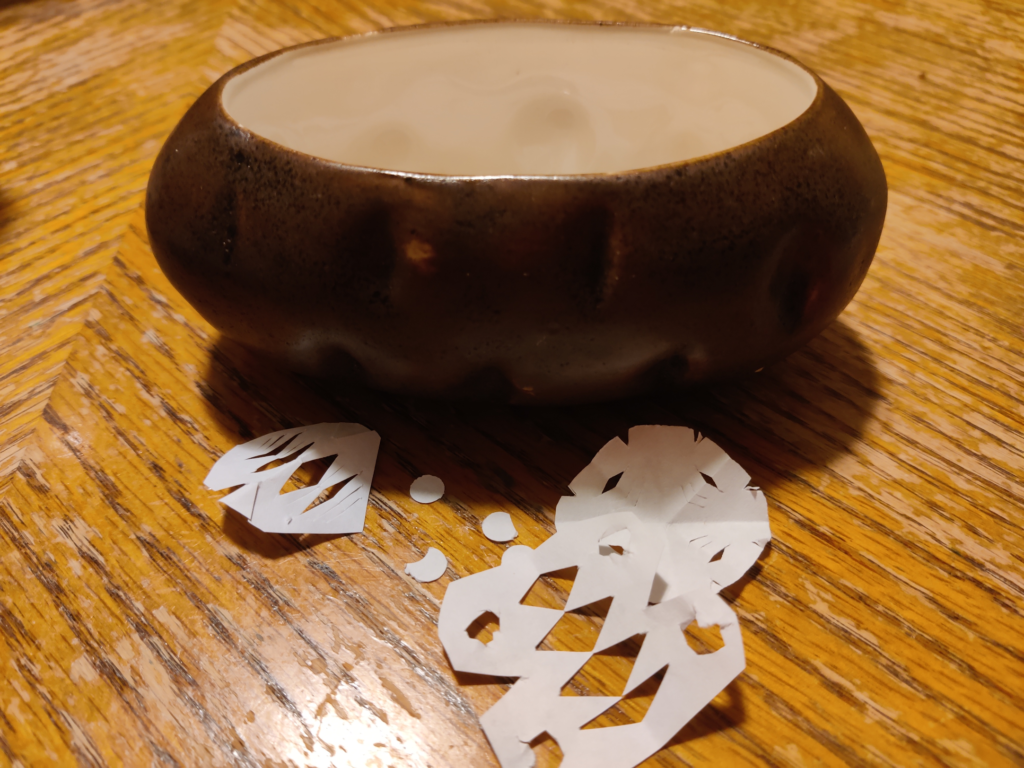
[[551, 589], [612, 482], [546, 751], [577, 630], [308, 474], [275, 463], [717, 556], [703, 640], [633, 707], [328, 493], [614, 543], [709, 480], [484, 627], [606, 673], [276, 451]]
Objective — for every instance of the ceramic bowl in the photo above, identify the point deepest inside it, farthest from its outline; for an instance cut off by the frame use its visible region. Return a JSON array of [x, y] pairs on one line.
[[619, 223]]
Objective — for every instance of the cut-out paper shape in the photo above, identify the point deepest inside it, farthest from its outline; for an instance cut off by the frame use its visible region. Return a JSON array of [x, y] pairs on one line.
[[498, 526], [334, 504], [678, 524], [430, 568], [427, 489]]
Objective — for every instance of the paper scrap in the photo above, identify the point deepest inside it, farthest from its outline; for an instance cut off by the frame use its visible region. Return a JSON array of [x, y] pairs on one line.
[[335, 504], [427, 489], [679, 524], [430, 568], [498, 526]]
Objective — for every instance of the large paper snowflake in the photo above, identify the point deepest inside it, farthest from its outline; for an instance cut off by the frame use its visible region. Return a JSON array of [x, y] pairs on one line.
[[660, 525]]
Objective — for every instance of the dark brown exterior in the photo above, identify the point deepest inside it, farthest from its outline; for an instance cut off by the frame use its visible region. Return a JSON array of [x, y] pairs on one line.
[[523, 289]]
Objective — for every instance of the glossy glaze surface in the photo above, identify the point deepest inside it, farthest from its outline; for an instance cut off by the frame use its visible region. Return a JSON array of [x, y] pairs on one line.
[[520, 289]]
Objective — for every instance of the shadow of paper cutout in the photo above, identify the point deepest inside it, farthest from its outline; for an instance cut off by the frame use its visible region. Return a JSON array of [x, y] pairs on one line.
[[472, 678], [732, 592], [727, 710], [269, 545]]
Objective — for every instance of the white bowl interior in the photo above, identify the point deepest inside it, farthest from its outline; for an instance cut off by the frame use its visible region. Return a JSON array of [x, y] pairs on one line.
[[520, 98]]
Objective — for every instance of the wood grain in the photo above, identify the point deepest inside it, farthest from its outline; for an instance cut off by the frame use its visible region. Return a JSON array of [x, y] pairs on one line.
[[142, 623]]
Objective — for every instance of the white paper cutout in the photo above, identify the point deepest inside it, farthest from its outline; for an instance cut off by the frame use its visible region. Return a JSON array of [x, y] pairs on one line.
[[260, 499], [430, 568], [427, 489], [498, 526], [680, 501]]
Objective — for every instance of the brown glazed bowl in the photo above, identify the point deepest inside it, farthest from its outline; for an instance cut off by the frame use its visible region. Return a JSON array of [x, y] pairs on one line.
[[541, 289]]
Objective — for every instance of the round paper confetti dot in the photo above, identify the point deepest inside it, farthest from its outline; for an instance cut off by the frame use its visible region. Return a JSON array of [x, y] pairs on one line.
[[427, 489]]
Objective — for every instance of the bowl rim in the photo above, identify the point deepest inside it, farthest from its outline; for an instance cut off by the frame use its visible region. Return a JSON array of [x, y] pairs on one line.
[[218, 90]]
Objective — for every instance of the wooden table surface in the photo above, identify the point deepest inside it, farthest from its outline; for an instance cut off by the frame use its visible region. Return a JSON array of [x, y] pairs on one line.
[[143, 624]]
